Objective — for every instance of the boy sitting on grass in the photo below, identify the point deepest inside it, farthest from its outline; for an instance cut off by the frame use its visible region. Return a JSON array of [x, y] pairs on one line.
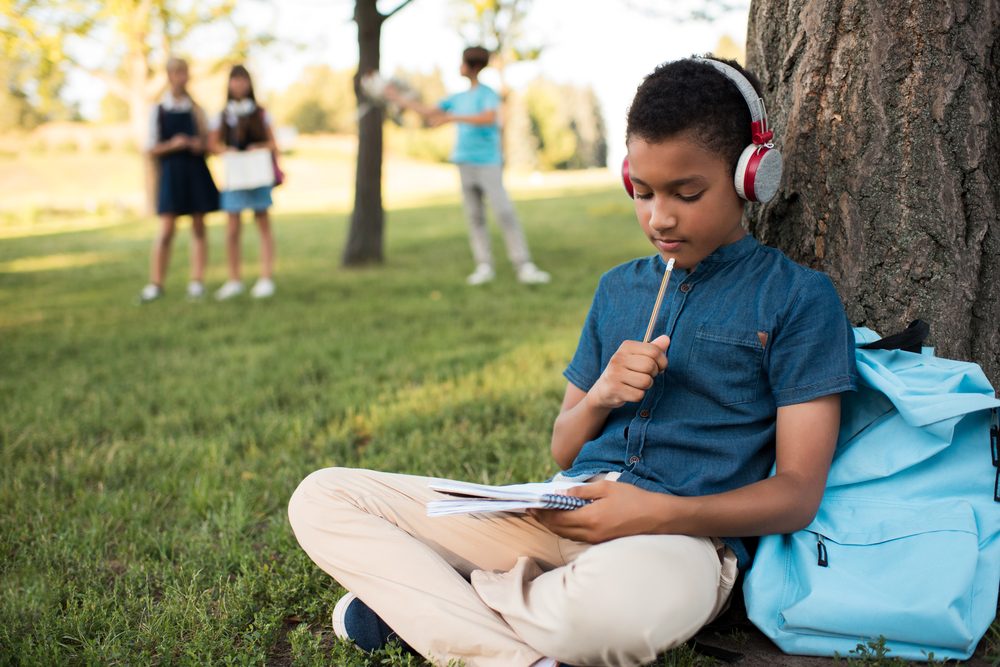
[[677, 453]]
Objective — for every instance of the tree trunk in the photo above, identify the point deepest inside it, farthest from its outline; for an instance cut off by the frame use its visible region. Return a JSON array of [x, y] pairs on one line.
[[887, 116], [364, 239]]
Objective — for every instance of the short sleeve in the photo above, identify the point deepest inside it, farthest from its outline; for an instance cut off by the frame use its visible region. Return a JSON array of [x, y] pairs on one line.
[[153, 132], [812, 353], [214, 122], [586, 366]]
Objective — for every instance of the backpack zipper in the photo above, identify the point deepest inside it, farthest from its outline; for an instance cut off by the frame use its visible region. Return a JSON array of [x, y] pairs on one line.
[[821, 555]]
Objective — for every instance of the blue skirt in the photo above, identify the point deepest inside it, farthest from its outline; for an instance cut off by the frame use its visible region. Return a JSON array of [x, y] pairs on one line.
[[255, 199]]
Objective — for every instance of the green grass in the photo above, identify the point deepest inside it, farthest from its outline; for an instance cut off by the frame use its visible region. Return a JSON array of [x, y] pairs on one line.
[[147, 453]]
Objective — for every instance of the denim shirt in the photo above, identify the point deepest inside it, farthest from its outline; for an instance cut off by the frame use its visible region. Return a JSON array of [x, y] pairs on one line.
[[750, 331]]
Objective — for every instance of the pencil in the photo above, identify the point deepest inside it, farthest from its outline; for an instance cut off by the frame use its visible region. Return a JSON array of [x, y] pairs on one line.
[[659, 300]]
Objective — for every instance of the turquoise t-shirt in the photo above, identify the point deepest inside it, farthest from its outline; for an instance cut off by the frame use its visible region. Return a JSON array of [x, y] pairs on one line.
[[475, 144]]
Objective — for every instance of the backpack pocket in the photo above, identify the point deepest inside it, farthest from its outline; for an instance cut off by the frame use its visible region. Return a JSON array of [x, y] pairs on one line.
[[866, 568]]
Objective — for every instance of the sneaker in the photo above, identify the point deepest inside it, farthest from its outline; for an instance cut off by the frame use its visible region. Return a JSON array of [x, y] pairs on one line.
[[529, 274], [483, 274], [354, 621], [263, 288], [228, 290], [150, 292], [195, 290]]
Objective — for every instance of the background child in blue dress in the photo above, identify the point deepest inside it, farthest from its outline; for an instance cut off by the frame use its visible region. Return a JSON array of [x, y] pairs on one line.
[[177, 141], [243, 125]]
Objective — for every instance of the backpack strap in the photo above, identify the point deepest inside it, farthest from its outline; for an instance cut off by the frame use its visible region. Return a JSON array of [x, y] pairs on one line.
[[994, 447], [910, 339]]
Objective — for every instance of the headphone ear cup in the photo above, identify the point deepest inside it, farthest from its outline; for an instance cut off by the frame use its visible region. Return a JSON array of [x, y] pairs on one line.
[[758, 173], [626, 181]]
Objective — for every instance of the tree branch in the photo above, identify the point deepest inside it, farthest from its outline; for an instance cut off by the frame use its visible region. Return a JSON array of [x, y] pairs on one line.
[[398, 7]]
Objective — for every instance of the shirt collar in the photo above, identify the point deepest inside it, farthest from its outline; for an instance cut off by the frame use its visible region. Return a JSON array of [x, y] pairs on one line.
[[171, 103], [722, 255], [733, 251]]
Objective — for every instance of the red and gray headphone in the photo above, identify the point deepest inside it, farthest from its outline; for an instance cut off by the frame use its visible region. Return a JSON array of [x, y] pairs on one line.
[[758, 171]]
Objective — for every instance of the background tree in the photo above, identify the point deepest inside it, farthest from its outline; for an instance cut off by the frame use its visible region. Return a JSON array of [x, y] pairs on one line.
[[567, 129], [365, 235], [887, 114], [321, 100], [31, 80], [134, 38]]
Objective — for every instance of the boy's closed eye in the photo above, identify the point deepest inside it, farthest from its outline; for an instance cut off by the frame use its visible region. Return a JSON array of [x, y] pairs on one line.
[[693, 197]]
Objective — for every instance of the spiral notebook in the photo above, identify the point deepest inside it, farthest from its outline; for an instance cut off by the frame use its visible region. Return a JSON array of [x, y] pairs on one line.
[[472, 498]]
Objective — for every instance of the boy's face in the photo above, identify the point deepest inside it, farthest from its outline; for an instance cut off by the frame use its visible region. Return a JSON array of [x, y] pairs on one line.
[[684, 198]]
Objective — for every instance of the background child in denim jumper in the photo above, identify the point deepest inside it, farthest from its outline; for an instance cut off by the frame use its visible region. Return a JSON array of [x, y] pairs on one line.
[[477, 153], [677, 452], [241, 126], [178, 141]]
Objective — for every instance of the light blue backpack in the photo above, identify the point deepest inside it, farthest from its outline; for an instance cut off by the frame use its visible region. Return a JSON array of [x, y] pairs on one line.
[[906, 543]]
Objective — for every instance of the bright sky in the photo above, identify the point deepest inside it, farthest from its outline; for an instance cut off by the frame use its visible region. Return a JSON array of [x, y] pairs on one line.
[[600, 43]]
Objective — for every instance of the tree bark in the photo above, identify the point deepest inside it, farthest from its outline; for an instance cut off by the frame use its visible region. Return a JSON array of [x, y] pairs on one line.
[[364, 239], [887, 116]]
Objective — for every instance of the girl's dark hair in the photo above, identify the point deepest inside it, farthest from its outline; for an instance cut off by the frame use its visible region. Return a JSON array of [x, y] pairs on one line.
[[476, 57], [249, 129], [241, 72], [686, 96]]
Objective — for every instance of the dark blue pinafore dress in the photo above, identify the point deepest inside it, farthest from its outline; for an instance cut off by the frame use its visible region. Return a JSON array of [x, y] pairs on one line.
[[186, 185]]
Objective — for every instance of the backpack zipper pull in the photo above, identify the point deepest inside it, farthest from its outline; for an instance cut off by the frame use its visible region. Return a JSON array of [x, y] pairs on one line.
[[821, 559]]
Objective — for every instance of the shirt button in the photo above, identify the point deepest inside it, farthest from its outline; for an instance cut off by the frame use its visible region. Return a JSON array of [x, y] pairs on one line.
[[633, 460], [686, 287], [644, 414]]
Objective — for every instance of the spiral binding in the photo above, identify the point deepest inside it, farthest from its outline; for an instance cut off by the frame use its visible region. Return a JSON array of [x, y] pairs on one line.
[[555, 501]]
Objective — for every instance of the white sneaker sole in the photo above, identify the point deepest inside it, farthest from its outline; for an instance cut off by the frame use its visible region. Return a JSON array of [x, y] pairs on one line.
[[339, 612]]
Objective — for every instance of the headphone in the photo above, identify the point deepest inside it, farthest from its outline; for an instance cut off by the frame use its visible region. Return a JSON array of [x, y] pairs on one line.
[[758, 171]]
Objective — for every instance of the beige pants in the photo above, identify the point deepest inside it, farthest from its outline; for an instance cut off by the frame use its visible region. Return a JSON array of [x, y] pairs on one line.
[[501, 589]]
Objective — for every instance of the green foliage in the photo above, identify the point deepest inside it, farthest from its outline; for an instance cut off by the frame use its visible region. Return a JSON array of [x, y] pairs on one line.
[[566, 125], [31, 52], [497, 25], [322, 100]]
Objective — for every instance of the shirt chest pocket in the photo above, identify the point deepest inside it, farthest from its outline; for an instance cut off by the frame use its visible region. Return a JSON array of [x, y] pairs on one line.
[[725, 364]]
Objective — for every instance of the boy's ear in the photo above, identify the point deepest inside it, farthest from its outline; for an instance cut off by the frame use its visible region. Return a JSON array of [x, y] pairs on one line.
[[626, 181]]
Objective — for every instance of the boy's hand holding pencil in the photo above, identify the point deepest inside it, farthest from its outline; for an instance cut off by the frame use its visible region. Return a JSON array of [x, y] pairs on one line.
[[630, 373], [631, 370]]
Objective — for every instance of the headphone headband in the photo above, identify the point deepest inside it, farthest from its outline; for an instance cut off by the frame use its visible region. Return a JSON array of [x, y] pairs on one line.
[[758, 113], [757, 176]]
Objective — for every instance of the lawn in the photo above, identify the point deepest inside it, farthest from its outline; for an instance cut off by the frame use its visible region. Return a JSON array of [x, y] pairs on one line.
[[147, 453]]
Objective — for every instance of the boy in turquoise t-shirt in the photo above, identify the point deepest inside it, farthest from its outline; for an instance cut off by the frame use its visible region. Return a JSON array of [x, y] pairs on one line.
[[480, 164]]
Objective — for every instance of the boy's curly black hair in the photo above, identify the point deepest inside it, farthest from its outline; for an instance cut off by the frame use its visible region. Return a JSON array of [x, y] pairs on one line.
[[686, 96]]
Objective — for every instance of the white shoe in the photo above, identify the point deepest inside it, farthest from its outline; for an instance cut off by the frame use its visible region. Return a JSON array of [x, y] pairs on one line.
[[195, 290], [263, 288], [483, 274], [529, 274], [229, 289], [150, 292]]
